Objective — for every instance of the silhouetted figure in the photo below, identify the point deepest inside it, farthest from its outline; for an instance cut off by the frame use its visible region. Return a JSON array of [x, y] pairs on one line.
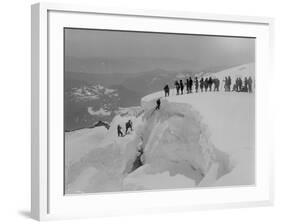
[[158, 103], [196, 84], [187, 86], [236, 85], [216, 82], [250, 82], [181, 86], [229, 83], [177, 87], [245, 86], [119, 131], [167, 90], [201, 84], [240, 83], [190, 84], [210, 83], [206, 84], [225, 84], [129, 125]]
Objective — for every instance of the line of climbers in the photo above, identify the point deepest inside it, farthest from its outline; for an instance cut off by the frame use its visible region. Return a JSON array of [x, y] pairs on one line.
[[207, 84], [210, 84], [239, 85]]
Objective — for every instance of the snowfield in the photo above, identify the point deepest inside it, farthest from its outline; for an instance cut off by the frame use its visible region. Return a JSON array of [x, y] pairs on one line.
[[194, 140], [230, 121]]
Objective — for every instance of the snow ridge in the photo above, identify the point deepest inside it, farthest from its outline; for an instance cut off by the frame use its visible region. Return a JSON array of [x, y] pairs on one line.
[[176, 136], [177, 153]]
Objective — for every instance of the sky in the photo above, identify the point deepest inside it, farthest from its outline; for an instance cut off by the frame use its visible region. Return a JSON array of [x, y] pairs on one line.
[[103, 51]]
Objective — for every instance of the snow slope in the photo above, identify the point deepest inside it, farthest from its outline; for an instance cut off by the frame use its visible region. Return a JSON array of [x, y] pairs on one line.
[[230, 121], [195, 140], [79, 142]]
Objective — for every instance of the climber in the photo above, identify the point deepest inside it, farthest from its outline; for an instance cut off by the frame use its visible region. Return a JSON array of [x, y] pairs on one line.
[[196, 84], [167, 90], [119, 131], [177, 87], [250, 82], [201, 84], [129, 124], [181, 86], [190, 84], [158, 103]]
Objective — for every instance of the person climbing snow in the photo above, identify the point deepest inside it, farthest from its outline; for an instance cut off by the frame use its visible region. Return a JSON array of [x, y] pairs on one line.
[[240, 84], [190, 84], [187, 86], [216, 82], [158, 103], [201, 84], [206, 84], [181, 87], [250, 82], [229, 83], [226, 89], [177, 87], [210, 83], [129, 125], [245, 86], [196, 84], [166, 90], [119, 131]]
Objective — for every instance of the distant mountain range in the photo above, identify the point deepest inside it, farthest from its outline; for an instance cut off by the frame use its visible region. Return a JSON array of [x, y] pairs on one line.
[[90, 98], [89, 104]]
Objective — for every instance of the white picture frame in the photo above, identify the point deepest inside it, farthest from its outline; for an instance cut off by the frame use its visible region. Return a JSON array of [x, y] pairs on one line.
[[47, 198]]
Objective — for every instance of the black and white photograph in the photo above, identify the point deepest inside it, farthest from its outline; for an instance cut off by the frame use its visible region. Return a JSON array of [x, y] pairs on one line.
[[152, 111]]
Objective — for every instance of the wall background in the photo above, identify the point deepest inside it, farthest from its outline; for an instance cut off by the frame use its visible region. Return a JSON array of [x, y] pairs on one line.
[[15, 110]]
